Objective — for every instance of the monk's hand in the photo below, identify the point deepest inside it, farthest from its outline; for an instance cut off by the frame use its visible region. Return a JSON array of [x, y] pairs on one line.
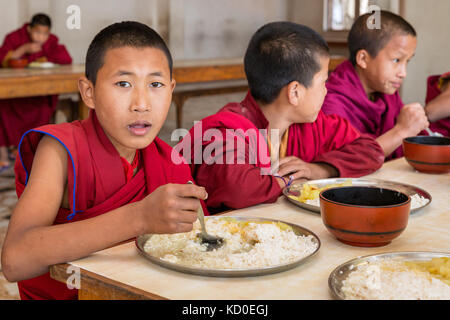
[[294, 168], [171, 208], [412, 119], [299, 171], [32, 47]]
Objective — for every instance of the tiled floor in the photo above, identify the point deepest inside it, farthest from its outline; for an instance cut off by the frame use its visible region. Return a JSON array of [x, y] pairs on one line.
[[194, 109]]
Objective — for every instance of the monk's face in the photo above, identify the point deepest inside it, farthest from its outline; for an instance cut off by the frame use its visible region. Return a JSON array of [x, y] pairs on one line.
[[312, 99], [385, 73], [39, 33], [132, 96]]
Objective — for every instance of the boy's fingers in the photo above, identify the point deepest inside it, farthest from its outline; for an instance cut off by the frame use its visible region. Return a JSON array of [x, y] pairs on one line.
[[286, 160], [191, 191], [188, 217], [289, 168], [187, 203], [300, 174]]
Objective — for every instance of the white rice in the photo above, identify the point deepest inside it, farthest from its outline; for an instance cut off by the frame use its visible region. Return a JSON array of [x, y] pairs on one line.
[[313, 202], [393, 280], [255, 245], [417, 201]]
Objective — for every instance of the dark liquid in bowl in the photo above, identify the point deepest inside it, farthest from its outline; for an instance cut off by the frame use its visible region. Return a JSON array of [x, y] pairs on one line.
[[365, 196], [432, 141]]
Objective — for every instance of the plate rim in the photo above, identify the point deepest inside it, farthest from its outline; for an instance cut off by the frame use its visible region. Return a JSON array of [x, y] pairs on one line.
[[316, 209], [366, 258], [227, 273]]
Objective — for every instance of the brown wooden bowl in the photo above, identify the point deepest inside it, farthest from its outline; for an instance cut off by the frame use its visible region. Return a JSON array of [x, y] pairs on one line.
[[18, 63], [364, 216], [428, 154]]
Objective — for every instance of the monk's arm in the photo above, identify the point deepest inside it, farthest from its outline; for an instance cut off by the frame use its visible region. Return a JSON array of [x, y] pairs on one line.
[[20, 51], [237, 185], [57, 53], [391, 140], [439, 107], [33, 243], [360, 157]]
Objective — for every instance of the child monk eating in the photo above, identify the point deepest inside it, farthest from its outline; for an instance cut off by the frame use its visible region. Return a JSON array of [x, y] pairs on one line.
[[286, 65], [364, 89], [33, 42], [87, 185]]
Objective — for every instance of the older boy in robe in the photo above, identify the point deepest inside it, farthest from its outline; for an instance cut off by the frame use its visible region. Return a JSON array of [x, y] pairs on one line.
[[364, 89], [34, 42], [286, 66], [438, 103], [88, 185]]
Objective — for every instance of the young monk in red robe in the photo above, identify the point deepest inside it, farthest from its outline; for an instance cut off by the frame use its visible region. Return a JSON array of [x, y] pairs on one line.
[[286, 65], [364, 89], [438, 103], [35, 43], [87, 185]]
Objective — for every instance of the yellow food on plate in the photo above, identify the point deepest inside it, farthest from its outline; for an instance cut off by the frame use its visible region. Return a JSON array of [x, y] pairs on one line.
[[311, 191], [437, 267]]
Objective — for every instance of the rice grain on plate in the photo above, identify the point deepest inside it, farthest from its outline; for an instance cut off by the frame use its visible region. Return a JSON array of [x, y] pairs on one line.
[[247, 245], [393, 280]]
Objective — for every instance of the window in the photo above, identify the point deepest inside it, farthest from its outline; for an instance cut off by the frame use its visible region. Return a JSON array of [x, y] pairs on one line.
[[340, 14]]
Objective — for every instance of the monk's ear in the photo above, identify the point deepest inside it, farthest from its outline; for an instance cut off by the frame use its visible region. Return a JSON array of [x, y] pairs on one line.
[[295, 92], [173, 83], [86, 88], [362, 58]]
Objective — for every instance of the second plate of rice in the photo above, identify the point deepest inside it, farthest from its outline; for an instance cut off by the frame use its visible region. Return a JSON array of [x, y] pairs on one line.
[[253, 247], [410, 275]]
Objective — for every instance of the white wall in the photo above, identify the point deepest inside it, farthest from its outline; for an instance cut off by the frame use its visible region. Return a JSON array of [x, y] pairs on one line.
[[432, 24], [203, 29], [9, 20]]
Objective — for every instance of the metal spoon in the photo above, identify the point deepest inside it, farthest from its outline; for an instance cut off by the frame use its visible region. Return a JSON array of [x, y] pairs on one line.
[[212, 242], [433, 134]]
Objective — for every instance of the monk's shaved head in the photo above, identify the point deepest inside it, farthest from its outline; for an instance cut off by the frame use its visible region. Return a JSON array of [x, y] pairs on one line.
[[279, 53], [123, 34], [41, 19], [373, 40]]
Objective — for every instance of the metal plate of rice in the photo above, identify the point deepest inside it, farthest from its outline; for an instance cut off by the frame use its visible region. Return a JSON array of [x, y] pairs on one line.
[[366, 274], [419, 197], [305, 242]]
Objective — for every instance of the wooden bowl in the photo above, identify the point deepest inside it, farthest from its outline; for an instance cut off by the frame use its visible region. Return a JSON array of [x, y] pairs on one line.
[[18, 63], [428, 154], [364, 216]]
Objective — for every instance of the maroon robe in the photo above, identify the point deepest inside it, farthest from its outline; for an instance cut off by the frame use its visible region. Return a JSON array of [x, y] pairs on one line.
[[433, 90], [346, 97], [22, 114], [243, 183], [97, 182]]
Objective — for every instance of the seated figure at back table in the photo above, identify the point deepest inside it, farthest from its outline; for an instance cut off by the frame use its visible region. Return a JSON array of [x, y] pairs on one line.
[[88, 185], [34, 42], [286, 65], [438, 103], [364, 89]]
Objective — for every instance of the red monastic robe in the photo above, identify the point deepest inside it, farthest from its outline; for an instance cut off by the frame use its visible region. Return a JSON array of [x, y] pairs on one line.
[[433, 90], [346, 97], [247, 181], [22, 114], [97, 182]]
